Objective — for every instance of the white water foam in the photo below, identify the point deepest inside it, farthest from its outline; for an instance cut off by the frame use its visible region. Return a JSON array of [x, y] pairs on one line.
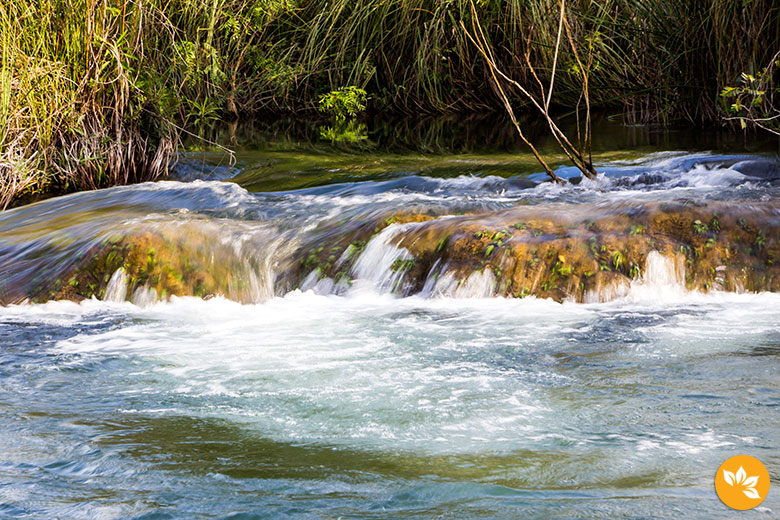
[[351, 377], [375, 371]]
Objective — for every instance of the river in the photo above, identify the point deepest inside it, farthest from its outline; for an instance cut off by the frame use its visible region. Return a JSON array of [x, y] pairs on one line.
[[307, 395]]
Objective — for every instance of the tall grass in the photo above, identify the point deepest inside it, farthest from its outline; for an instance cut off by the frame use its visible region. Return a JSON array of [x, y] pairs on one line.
[[71, 106], [92, 92]]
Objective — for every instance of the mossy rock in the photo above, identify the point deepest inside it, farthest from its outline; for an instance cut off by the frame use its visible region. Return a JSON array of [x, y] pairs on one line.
[[573, 255]]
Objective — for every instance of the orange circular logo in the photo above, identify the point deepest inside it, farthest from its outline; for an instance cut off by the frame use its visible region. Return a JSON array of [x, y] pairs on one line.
[[742, 482]]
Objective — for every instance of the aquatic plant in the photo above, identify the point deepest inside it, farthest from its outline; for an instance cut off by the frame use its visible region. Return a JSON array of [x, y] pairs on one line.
[[402, 264]]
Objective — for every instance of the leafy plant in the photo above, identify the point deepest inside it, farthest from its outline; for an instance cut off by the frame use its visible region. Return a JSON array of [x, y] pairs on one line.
[[751, 100], [760, 240], [202, 112], [402, 264], [344, 103], [636, 229], [618, 259], [700, 227]]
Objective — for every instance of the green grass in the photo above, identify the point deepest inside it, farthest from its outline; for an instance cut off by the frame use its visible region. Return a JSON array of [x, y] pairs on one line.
[[72, 107], [94, 92]]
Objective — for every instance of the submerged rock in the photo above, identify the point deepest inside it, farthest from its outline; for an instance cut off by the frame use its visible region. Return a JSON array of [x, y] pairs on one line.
[[178, 259]]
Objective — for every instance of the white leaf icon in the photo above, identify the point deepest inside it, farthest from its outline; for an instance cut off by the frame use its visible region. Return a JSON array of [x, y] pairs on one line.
[[750, 482], [741, 475], [751, 493], [728, 477]]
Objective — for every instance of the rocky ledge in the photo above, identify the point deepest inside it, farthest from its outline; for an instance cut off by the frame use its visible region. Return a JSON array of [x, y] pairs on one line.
[[583, 253]]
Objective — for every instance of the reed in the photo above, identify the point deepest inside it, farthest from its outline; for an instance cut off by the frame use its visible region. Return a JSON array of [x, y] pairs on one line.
[[72, 104], [95, 92]]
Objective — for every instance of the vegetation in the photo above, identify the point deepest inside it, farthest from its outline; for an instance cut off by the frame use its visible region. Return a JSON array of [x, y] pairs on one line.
[[343, 106], [97, 92], [76, 100], [752, 100]]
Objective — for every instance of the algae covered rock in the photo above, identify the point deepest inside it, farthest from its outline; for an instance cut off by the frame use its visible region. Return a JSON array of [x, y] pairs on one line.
[[586, 253], [144, 266], [583, 253]]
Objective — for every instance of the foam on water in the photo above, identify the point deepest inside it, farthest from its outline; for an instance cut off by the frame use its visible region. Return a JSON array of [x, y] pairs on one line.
[[348, 380], [376, 371]]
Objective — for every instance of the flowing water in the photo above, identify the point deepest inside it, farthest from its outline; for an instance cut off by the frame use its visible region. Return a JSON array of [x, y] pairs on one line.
[[371, 398]]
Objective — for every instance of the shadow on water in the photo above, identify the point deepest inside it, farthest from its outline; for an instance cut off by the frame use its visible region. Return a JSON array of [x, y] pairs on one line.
[[209, 445], [266, 479], [287, 154]]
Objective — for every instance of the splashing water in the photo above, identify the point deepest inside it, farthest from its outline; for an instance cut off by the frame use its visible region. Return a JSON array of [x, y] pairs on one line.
[[370, 383]]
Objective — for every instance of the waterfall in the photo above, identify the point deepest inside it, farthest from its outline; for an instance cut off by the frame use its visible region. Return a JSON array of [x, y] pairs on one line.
[[479, 284], [444, 284], [116, 291], [663, 277], [144, 296], [383, 263], [664, 270], [609, 286]]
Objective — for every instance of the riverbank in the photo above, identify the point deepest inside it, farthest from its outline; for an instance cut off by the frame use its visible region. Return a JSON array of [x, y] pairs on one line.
[[107, 100]]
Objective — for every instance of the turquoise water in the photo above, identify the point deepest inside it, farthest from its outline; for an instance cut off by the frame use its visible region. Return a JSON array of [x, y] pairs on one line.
[[359, 403], [370, 406]]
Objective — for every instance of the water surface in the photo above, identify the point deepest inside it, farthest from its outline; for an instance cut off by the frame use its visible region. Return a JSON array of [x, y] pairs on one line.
[[320, 402]]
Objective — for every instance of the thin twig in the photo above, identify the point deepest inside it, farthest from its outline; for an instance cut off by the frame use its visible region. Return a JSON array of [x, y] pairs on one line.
[[480, 42], [509, 110], [566, 146]]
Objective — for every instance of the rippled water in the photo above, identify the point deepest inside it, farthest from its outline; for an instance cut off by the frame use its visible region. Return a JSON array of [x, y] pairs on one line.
[[360, 403]]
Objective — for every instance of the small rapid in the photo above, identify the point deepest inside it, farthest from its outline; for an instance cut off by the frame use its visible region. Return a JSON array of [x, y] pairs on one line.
[[406, 346], [406, 235]]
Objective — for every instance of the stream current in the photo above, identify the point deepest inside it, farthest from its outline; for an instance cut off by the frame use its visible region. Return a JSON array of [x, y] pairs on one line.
[[359, 402]]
